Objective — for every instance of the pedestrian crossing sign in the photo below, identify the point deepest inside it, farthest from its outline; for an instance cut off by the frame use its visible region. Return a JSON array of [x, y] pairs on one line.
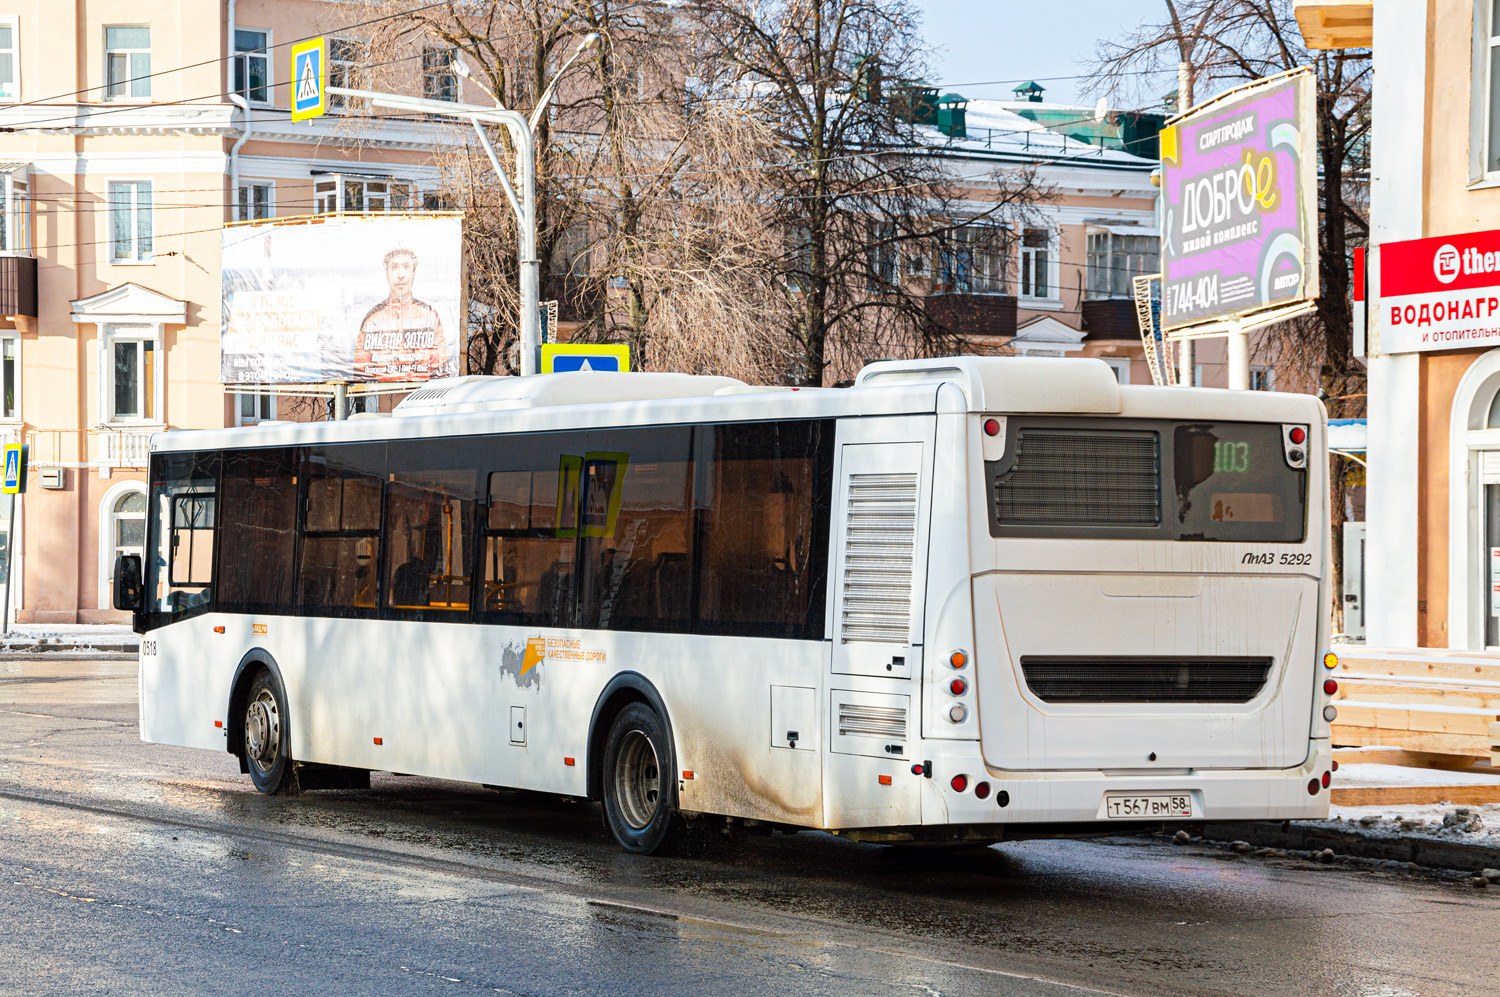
[[558, 358], [15, 469], [309, 79]]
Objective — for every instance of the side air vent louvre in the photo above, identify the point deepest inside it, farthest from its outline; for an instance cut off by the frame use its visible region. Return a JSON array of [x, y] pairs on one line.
[[872, 721], [1146, 679], [869, 723], [878, 554], [1072, 477]]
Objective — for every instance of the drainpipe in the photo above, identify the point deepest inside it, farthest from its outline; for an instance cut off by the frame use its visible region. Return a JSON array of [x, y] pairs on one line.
[[234, 151]]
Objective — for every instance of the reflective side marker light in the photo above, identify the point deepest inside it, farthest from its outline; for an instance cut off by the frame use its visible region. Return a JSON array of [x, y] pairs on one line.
[[567, 760], [1330, 713], [686, 773], [982, 790], [916, 769], [218, 723], [1330, 686], [960, 783], [958, 714], [958, 659], [380, 740], [885, 780], [218, 630], [1298, 434], [1330, 660], [1313, 786], [958, 687]]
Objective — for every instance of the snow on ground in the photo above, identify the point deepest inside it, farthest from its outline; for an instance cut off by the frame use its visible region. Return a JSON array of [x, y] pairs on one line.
[[1473, 824], [76, 637], [1371, 774]]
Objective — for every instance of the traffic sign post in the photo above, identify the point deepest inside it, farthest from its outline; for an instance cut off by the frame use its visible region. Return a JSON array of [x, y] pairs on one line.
[[558, 358], [14, 485], [309, 79]]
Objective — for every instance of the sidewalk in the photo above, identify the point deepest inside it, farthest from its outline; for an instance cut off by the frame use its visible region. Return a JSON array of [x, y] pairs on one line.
[[71, 639]]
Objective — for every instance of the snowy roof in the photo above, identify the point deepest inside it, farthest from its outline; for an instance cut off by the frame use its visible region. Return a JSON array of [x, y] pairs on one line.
[[993, 128]]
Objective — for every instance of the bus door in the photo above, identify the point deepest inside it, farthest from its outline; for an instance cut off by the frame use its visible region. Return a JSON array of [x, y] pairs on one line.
[[882, 497]]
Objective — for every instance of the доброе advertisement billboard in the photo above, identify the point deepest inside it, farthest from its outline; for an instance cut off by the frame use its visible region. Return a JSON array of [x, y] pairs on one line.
[[353, 299], [1239, 211]]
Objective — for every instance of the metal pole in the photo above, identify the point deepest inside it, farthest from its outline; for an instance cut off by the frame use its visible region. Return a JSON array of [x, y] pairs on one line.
[[1185, 359], [1239, 357], [531, 267], [340, 402], [10, 560]]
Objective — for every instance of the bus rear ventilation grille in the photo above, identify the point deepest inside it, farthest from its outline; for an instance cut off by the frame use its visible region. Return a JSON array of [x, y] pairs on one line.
[[1145, 679]]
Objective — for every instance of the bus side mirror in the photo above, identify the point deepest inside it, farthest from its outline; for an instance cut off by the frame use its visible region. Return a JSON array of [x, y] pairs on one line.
[[129, 594]]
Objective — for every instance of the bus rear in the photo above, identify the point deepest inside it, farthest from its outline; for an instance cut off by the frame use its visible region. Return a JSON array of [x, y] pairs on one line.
[[1138, 629]]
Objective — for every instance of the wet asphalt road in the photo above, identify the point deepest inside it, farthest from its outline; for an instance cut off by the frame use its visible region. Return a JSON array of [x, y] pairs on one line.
[[128, 868]]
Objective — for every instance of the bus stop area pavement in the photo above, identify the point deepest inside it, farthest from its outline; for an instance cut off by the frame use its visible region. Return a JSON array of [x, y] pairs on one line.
[[80, 640]]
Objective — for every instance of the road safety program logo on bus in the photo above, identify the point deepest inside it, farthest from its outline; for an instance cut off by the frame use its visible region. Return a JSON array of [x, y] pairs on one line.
[[523, 660]]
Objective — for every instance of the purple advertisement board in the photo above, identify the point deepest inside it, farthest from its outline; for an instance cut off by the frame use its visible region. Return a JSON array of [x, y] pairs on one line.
[[1239, 213]]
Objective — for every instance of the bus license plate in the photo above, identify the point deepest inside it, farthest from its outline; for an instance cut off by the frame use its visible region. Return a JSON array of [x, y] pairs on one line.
[[1136, 807]]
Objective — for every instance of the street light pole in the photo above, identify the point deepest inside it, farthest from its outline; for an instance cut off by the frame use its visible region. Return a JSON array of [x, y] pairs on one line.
[[522, 133]]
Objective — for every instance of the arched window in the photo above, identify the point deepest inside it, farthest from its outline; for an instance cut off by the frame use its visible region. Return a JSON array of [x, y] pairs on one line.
[[128, 524], [1492, 420]]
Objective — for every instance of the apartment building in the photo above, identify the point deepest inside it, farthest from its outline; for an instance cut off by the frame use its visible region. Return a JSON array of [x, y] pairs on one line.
[[129, 134]]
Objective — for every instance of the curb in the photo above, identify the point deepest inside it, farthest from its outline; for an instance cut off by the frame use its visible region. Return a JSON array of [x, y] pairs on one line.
[[1435, 853]]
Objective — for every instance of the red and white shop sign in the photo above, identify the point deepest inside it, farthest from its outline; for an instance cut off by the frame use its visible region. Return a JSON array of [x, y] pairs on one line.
[[1441, 293]]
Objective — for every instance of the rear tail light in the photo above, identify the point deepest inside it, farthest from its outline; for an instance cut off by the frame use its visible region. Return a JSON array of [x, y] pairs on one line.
[[1330, 713], [1327, 779], [958, 714], [992, 427], [958, 687], [1335, 765], [1313, 787], [1330, 687], [1298, 434], [960, 783], [982, 790]]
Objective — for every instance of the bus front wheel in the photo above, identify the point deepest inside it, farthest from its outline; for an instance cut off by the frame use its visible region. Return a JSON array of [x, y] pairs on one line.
[[267, 743], [638, 768]]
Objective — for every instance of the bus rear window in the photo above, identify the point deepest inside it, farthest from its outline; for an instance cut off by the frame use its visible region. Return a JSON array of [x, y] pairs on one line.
[[1140, 479], [1233, 483]]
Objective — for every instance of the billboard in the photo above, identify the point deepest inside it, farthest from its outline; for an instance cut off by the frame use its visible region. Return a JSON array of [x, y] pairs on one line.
[[353, 299], [1440, 293], [1239, 204]]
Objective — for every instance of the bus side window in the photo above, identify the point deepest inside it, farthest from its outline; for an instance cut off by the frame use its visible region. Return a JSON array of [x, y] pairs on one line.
[[429, 540], [184, 490], [257, 532], [529, 543], [341, 530]]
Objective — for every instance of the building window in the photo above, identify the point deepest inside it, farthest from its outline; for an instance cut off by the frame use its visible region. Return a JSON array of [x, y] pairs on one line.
[[127, 525], [1035, 263], [439, 81], [127, 62], [346, 68], [10, 58], [971, 260], [1114, 260], [255, 202], [1120, 367], [15, 226], [1262, 379], [339, 192], [252, 64], [252, 407], [130, 352], [10, 377], [130, 220]]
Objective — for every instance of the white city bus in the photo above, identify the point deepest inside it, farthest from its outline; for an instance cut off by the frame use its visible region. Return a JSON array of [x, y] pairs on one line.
[[966, 599]]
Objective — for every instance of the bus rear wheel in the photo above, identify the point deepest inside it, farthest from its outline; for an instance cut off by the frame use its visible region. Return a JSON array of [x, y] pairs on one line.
[[267, 742], [638, 768]]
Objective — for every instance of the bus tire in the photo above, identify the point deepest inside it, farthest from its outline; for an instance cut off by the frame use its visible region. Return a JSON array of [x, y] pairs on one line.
[[267, 747], [639, 805]]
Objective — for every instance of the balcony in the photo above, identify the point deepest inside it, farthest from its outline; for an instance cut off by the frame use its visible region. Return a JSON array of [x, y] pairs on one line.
[[18, 286], [122, 447], [1110, 318], [973, 314]]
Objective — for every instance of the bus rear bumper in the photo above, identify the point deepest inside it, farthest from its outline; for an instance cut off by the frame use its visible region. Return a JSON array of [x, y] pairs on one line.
[[1118, 798]]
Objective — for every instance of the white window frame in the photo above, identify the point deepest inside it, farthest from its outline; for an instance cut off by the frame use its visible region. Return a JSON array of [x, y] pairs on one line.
[[244, 57], [1113, 254], [14, 22], [135, 208], [13, 337], [431, 78], [349, 74], [139, 332], [259, 400], [342, 189], [244, 200], [1267, 377], [131, 70], [107, 548], [1121, 367], [1052, 298], [15, 213]]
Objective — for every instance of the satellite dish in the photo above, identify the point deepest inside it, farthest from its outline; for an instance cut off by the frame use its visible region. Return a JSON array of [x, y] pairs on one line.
[[1101, 110]]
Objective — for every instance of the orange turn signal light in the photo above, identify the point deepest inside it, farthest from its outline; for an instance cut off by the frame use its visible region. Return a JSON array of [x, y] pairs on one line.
[[885, 780], [1330, 660], [958, 659]]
